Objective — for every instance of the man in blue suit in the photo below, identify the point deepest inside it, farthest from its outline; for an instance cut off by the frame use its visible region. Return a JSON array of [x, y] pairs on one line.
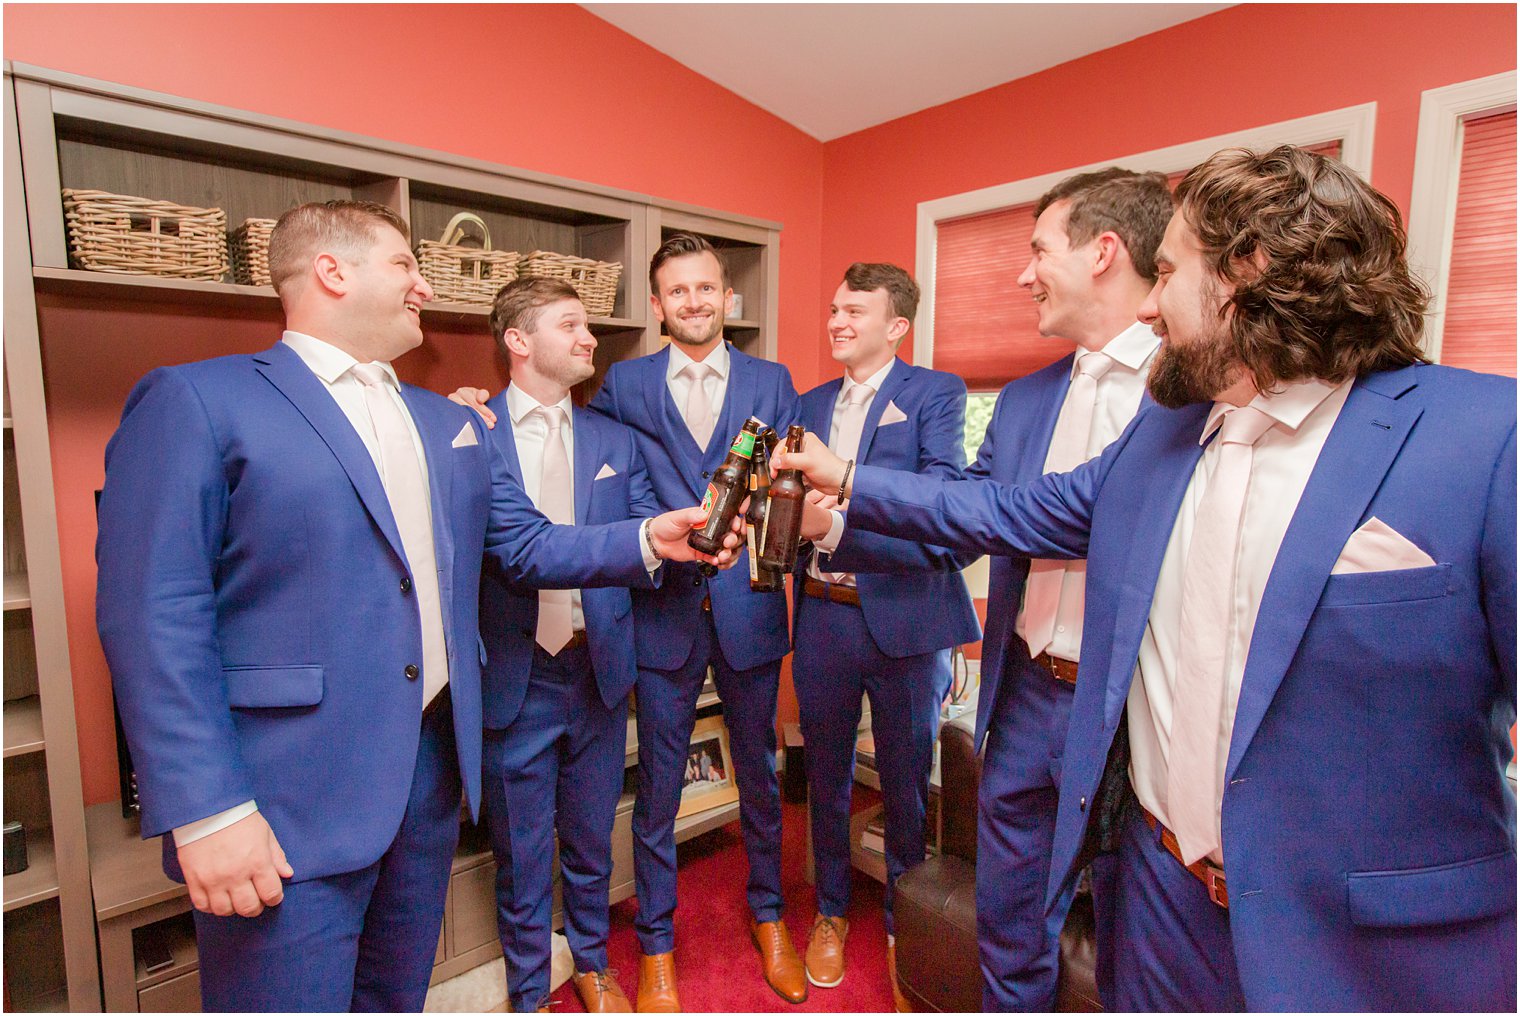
[[1302, 566], [684, 404], [1092, 262], [881, 619], [289, 559], [559, 663]]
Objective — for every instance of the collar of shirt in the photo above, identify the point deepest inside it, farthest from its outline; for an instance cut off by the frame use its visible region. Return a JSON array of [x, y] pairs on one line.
[[875, 381], [520, 404], [718, 360], [326, 360], [1289, 407], [1131, 348]]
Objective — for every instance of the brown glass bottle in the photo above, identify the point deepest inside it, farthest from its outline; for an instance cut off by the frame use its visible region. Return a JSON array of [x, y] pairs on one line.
[[762, 578], [783, 525], [726, 491]]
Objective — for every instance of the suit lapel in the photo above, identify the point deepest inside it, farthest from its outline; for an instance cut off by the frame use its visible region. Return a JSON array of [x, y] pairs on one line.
[[819, 411], [1357, 455], [284, 369], [588, 459], [889, 387], [1165, 463], [1043, 414], [435, 429]]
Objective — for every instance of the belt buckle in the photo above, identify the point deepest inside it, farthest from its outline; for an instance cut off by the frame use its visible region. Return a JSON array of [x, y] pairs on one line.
[[1214, 881]]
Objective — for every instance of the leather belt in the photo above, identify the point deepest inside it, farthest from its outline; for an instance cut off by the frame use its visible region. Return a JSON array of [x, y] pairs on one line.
[[830, 591], [1211, 877], [1061, 670], [440, 701]]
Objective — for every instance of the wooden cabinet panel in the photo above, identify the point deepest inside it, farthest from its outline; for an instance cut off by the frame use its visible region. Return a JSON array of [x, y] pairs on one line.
[[183, 994]]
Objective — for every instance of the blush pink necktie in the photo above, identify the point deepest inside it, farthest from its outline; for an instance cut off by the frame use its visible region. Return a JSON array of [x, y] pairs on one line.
[[699, 414], [846, 444], [1208, 596], [401, 473], [1068, 450], [555, 501]]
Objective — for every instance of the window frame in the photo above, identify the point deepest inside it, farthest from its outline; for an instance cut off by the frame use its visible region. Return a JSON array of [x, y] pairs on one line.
[[1352, 126], [1437, 168]]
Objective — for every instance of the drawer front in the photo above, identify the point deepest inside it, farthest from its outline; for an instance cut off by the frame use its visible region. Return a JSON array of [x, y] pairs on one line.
[[183, 994], [473, 908]]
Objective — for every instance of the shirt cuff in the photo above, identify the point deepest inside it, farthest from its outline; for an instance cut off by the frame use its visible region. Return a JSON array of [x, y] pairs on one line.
[[192, 831], [830, 543], [651, 563]]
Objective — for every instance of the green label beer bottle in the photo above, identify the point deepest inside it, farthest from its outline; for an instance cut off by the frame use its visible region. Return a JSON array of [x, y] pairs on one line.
[[726, 491], [762, 579]]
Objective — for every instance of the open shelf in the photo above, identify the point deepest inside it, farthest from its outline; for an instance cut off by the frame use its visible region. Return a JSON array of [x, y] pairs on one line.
[[178, 933], [18, 592], [23, 726], [705, 821], [40, 880]]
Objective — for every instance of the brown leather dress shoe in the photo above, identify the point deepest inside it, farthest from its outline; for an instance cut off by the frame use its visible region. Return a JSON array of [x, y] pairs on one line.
[[825, 951], [599, 992], [657, 983], [898, 1000], [779, 961]]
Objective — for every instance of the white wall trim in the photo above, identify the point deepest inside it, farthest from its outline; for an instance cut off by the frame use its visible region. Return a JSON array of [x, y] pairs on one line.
[[1437, 165], [1353, 126]]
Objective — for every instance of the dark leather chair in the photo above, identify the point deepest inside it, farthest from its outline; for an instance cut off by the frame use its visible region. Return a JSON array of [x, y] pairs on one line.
[[935, 912]]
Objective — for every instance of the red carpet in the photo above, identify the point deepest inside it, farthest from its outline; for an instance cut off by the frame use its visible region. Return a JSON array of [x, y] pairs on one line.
[[717, 967]]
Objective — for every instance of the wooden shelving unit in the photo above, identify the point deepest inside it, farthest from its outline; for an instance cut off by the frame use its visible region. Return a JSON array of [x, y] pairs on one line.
[[67, 131]]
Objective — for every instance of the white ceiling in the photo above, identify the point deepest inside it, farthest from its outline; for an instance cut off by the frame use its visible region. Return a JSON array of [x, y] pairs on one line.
[[832, 69]]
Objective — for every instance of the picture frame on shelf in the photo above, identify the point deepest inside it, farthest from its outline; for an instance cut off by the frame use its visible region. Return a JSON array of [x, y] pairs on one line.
[[708, 781]]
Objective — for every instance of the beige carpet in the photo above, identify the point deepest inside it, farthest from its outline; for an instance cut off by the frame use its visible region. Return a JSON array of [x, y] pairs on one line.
[[484, 989]]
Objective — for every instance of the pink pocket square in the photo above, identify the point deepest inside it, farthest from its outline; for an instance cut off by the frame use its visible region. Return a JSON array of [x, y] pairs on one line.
[[1378, 547]]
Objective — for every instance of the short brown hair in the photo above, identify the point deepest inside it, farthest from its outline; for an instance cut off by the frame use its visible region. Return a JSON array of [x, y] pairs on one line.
[[518, 303], [342, 227], [1317, 259], [679, 246], [902, 291], [1135, 206]]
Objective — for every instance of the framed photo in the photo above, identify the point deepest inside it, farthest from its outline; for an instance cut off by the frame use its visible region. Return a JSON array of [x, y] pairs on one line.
[[709, 778]]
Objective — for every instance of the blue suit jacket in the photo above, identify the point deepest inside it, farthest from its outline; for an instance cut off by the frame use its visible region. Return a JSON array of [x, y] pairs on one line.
[[752, 627], [509, 612], [912, 594], [1369, 833], [252, 608], [1014, 451]]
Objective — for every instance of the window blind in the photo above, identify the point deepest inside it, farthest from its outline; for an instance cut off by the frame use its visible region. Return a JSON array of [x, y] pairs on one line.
[[1479, 330]]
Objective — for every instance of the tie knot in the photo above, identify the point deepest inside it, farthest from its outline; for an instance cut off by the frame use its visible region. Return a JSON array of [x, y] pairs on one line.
[[553, 416], [697, 371], [1094, 365], [1245, 426], [371, 375], [859, 394]]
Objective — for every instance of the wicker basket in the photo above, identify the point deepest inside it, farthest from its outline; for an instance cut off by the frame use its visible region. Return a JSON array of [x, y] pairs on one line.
[[140, 236], [249, 250], [461, 274], [595, 282]]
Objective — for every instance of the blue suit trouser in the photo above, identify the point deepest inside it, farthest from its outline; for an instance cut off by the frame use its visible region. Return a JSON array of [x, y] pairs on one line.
[[666, 714], [362, 941], [1018, 941], [835, 664], [557, 767]]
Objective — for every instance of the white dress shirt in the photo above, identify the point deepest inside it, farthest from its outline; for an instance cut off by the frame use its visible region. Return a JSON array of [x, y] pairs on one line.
[[529, 431], [1117, 401], [331, 365], [830, 542], [1281, 463], [716, 381]]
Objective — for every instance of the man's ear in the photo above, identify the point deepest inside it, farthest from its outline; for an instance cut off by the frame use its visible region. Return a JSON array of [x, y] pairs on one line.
[[516, 342], [1108, 250], [331, 274], [898, 330]]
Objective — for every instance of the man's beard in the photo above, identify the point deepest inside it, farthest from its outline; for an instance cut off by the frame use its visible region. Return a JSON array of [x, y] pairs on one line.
[[1184, 375]]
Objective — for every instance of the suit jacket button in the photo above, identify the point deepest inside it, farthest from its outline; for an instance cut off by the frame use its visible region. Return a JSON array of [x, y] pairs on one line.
[[406, 586], [412, 673], [1082, 804]]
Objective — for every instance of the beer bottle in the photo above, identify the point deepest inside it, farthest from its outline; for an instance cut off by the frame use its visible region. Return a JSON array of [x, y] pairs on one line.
[[783, 524], [762, 579], [726, 491]]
